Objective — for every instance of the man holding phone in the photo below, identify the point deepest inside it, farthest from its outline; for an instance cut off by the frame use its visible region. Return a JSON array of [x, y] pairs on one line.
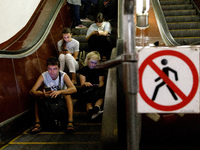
[[52, 79]]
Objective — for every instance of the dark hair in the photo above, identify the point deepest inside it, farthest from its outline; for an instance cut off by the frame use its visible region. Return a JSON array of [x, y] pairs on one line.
[[65, 31], [53, 61], [99, 18]]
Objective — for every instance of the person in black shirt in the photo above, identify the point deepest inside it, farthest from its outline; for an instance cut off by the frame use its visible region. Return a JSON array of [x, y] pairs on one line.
[[92, 83]]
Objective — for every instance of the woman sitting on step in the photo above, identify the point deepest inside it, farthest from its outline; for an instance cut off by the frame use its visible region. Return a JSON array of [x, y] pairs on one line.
[[98, 36], [68, 53], [92, 84]]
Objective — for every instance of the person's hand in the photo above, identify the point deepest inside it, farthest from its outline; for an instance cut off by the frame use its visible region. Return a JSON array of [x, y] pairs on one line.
[[65, 52], [95, 33], [46, 94], [68, 52], [54, 94], [88, 84]]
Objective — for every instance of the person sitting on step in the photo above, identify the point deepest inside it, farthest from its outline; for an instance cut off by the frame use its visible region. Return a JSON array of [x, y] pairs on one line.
[[92, 84], [68, 53], [59, 84], [98, 36]]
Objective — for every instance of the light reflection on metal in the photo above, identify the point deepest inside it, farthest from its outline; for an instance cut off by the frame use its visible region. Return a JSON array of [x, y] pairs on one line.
[[142, 16]]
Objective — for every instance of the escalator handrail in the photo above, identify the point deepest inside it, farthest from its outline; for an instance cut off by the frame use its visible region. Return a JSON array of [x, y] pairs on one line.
[[24, 52]]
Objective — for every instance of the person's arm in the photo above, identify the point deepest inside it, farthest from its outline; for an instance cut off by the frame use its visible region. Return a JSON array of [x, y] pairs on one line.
[[101, 81], [34, 91], [83, 81], [104, 33], [75, 55], [92, 33], [107, 29], [70, 88]]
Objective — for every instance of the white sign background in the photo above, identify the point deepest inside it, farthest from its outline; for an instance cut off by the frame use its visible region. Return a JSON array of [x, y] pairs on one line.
[[184, 83]]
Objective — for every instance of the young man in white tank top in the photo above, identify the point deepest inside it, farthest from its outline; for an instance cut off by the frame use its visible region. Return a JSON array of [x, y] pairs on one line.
[[50, 78]]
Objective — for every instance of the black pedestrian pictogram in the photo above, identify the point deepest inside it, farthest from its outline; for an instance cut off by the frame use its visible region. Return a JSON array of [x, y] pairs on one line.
[[166, 70]]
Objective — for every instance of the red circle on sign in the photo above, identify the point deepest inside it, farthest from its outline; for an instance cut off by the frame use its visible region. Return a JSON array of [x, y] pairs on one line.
[[187, 99]]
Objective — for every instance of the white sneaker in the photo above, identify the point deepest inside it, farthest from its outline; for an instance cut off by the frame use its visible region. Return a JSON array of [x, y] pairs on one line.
[[86, 20], [80, 26], [97, 114]]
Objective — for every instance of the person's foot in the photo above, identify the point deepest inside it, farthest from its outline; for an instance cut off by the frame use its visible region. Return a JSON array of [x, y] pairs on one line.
[[80, 26], [96, 109], [36, 128], [86, 20], [70, 127], [97, 114]]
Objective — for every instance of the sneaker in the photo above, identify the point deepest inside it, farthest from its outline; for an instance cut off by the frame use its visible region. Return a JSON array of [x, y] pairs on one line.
[[86, 20], [80, 26], [96, 109], [97, 114]]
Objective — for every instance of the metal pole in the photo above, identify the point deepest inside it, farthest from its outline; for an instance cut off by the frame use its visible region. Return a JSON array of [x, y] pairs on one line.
[[130, 77], [129, 69]]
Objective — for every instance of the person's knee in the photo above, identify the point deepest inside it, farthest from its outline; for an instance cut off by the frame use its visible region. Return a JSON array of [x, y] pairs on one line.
[[61, 57]]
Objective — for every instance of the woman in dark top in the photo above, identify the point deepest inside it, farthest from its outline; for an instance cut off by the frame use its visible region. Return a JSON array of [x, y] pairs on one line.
[[92, 83]]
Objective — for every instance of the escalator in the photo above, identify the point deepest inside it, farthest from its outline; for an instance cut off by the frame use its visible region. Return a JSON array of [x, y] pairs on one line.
[[183, 20], [87, 135]]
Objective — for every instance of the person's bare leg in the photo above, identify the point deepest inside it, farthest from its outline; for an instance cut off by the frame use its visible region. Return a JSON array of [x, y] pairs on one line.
[[89, 106], [37, 120], [69, 107], [99, 102], [73, 78]]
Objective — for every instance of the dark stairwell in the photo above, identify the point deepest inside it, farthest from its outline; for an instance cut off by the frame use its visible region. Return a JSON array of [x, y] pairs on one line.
[[183, 20]]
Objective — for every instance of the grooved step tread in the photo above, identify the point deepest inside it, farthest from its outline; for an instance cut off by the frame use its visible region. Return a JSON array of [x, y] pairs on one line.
[[182, 16], [184, 29]]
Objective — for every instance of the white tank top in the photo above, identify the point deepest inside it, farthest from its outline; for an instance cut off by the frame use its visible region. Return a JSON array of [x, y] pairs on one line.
[[54, 84]]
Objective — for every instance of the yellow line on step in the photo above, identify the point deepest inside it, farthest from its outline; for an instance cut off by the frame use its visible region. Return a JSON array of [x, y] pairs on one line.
[[49, 143]]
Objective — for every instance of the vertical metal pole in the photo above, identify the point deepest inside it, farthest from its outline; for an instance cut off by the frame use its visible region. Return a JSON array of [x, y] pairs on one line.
[[130, 77]]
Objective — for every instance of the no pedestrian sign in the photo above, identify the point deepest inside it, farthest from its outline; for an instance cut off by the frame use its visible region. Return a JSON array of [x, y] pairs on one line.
[[168, 80]]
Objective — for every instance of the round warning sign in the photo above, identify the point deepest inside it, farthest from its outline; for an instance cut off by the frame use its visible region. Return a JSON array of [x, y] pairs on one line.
[[180, 97]]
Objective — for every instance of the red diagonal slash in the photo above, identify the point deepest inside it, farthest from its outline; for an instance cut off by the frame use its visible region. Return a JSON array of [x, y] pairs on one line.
[[167, 80]]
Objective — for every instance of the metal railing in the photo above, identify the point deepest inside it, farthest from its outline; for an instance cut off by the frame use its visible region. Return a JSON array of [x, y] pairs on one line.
[[126, 63]]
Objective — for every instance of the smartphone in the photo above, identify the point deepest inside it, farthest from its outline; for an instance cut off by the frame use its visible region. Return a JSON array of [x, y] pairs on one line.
[[95, 84], [47, 89]]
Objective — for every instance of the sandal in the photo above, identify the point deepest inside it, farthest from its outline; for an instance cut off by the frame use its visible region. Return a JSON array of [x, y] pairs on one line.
[[36, 128], [70, 127]]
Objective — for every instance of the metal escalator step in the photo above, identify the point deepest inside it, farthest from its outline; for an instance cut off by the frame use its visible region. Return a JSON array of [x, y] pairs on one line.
[[170, 19], [179, 12], [170, 2], [80, 38], [188, 40], [185, 33], [184, 25], [79, 31], [177, 7]]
